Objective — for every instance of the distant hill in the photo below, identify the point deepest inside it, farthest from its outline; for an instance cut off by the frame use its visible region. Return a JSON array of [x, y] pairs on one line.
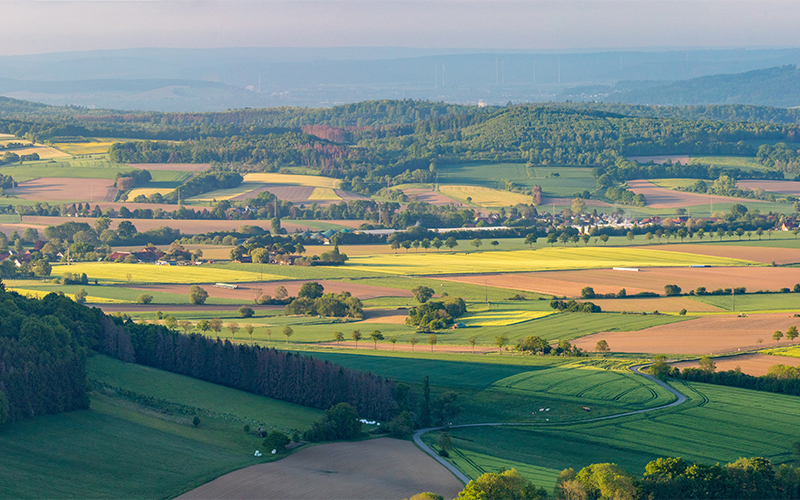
[[778, 86]]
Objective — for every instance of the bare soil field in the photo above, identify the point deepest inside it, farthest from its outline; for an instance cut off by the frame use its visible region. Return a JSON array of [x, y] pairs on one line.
[[385, 316], [704, 335], [602, 281], [658, 197], [371, 470], [349, 195], [246, 291], [780, 187], [430, 196], [178, 167], [54, 189], [684, 159], [751, 364], [757, 254], [151, 308]]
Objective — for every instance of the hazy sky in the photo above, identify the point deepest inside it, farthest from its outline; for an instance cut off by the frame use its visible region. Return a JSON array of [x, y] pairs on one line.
[[54, 26]]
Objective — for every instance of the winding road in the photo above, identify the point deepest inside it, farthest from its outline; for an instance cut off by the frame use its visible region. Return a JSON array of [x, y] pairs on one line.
[[680, 399]]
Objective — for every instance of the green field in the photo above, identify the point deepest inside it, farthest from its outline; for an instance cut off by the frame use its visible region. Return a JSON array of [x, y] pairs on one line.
[[744, 162], [717, 424], [545, 259], [755, 301], [130, 446], [570, 180], [789, 352], [83, 168]]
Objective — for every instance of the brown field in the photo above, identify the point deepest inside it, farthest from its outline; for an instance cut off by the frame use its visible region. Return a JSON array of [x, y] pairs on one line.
[[658, 197], [282, 191], [780, 187], [684, 159], [178, 167], [430, 196], [151, 308], [385, 316], [405, 347], [349, 195], [54, 189], [375, 469], [570, 283], [246, 291], [185, 226], [751, 364], [756, 254], [560, 202], [704, 335]]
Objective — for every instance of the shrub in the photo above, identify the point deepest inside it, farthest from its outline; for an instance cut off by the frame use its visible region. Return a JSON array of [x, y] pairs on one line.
[[246, 312], [339, 422], [144, 298], [276, 440]]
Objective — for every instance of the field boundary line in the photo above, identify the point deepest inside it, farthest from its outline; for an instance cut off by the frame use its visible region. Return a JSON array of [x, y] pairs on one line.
[[680, 399]]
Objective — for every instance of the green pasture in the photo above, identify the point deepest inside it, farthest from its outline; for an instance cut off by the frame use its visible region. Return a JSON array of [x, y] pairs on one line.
[[570, 180], [717, 424], [743, 162], [97, 167], [236, 407], [755, 301], [133, 446]]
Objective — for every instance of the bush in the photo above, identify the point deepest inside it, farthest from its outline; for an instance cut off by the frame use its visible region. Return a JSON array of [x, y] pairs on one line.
[[672, 290], [276, 440], [339, 422], [246, 312], [197, 295], [402, 426], [144, 298]]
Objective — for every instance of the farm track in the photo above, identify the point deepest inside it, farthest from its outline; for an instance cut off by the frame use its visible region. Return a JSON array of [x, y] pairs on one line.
[[680, 399]]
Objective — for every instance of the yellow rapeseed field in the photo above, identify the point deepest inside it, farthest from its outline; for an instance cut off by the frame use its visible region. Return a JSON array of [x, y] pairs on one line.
[[502, 318], [298, 180], [321, 193], [38, 294], [485, 197], [543, 259], [85, 148], [151, 273]]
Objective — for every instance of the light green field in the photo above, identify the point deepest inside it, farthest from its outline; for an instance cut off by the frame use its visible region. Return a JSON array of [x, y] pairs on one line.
[[83, 168], [150, 273], [673, 183], [570, 180], [546, 259], [789, 352], [744, 162], [485, 197], [755, 302], [103, 294], [225, 194]]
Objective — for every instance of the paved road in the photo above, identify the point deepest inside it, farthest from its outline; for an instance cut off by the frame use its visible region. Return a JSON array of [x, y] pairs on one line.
[[680, 399]]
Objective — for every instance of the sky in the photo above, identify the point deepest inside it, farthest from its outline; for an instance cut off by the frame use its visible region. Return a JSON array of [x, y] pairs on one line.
[[34, 26]]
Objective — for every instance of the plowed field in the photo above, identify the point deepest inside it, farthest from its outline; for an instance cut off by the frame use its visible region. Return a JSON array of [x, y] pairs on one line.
[[658, 197], [429, 196], [751, 364], [371, 470], [704, 335], [65, 189], [603, 281], [780, 187]]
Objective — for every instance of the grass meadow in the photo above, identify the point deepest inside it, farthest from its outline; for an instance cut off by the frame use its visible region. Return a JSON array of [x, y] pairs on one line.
[[128, 444], [112, 272], [717, 424]]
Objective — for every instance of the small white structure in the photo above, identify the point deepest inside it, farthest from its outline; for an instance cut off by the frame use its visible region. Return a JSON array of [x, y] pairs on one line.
[[257, 454]]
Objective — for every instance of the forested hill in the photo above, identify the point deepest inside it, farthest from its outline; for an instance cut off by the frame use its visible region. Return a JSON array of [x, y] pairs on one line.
[[779, 87], [44, 343]]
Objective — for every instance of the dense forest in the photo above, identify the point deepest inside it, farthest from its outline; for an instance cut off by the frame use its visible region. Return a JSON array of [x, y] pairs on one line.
[[44, 344]]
